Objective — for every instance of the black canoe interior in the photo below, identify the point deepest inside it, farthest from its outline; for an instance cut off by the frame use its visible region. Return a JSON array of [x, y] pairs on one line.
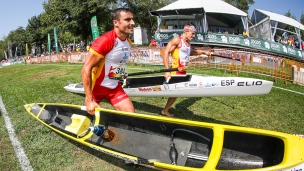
[[149, 81], [153, 81], [150, 138]]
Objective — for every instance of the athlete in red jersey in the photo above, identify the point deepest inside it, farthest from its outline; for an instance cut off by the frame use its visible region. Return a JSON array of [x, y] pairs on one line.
[[180, 50], [105, 64]]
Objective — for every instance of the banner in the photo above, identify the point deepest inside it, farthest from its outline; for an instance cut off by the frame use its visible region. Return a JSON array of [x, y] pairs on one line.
[[237, 40], [5, 54], [49, 44], [55, 37], [95, 32]]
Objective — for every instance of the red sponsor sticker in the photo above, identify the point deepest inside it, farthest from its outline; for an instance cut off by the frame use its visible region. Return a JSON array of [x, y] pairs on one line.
[[145, 89]]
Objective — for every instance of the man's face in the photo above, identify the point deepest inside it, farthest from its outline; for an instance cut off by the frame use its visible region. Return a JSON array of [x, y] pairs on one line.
[[190, 35], [125, 23]]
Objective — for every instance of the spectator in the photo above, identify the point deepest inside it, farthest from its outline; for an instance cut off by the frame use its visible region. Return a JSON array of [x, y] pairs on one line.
[[161, 43], [153, 42], [219, 30]]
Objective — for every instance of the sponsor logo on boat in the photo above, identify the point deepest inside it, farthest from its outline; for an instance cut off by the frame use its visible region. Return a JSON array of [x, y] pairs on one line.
[[208, 85], [200, 84], [146, 89], [249, 83], [227, 82], [190, 85], [156, 88]]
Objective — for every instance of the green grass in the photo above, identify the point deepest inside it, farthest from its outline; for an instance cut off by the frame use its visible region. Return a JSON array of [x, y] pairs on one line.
[[279, 110]]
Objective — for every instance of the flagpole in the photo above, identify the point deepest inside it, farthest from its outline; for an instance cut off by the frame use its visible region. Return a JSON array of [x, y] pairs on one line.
[[55, 37]]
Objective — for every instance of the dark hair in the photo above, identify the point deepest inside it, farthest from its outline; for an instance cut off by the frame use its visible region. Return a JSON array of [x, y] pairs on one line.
[[116, 13]]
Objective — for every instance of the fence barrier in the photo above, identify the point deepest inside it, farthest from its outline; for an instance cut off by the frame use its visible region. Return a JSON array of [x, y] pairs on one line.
[[238, 61]]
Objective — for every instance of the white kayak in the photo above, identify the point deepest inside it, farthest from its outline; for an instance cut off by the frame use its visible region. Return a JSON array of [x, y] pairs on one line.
[[188, 86]]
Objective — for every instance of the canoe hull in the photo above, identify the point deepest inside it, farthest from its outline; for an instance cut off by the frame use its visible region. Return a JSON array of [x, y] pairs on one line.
[[189, 86], [146, 140]]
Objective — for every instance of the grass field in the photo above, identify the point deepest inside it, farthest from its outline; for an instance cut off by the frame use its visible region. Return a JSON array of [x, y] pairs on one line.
[[279, 110]]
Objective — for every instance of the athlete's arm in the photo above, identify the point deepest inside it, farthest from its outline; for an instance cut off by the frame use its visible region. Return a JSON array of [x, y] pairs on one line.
[[91, 61], [199, 52], [173, 44]]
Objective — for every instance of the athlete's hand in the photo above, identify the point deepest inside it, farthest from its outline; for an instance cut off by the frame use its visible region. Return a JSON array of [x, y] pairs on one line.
[[167, 75], [183, 68], [91, 105]]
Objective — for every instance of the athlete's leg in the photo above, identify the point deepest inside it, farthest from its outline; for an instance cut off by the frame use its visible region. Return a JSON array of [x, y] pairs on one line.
[[170, 102], [120, 100], [125, 105]]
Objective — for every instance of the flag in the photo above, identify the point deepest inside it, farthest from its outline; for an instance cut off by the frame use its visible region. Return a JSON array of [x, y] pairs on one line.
[[5, 54], [26, 49], [49, 44], [55, 37], [95, 32]]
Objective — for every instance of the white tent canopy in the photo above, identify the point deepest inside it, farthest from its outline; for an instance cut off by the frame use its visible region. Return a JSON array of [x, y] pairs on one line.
[[209, 6], [282, 19], [268, 25], [217, 12]]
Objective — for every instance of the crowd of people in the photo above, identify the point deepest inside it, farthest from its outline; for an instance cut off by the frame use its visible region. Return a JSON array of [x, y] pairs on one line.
[[289, 40]]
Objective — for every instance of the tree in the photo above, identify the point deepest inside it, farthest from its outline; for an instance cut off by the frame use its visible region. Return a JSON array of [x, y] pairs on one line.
[[2, 48], [74, 16], [241, 4], [141, 13], [288, 14]]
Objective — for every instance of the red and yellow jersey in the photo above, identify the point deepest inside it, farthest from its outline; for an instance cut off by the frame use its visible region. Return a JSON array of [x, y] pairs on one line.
[[180, 56], [114, 53]]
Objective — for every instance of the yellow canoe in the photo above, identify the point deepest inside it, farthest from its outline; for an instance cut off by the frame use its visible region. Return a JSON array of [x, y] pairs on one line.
[[171, 143]]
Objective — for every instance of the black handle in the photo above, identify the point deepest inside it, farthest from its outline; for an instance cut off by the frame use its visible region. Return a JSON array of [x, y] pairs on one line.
[[225, 57], [152, 71]]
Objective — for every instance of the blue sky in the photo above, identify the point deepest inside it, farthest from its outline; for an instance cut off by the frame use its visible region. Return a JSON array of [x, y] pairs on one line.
[[296, 7], [15, 13]]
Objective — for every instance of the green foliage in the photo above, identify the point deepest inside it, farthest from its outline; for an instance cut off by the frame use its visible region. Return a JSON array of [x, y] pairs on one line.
[[302, 21], [288, 14], [141, 9]]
